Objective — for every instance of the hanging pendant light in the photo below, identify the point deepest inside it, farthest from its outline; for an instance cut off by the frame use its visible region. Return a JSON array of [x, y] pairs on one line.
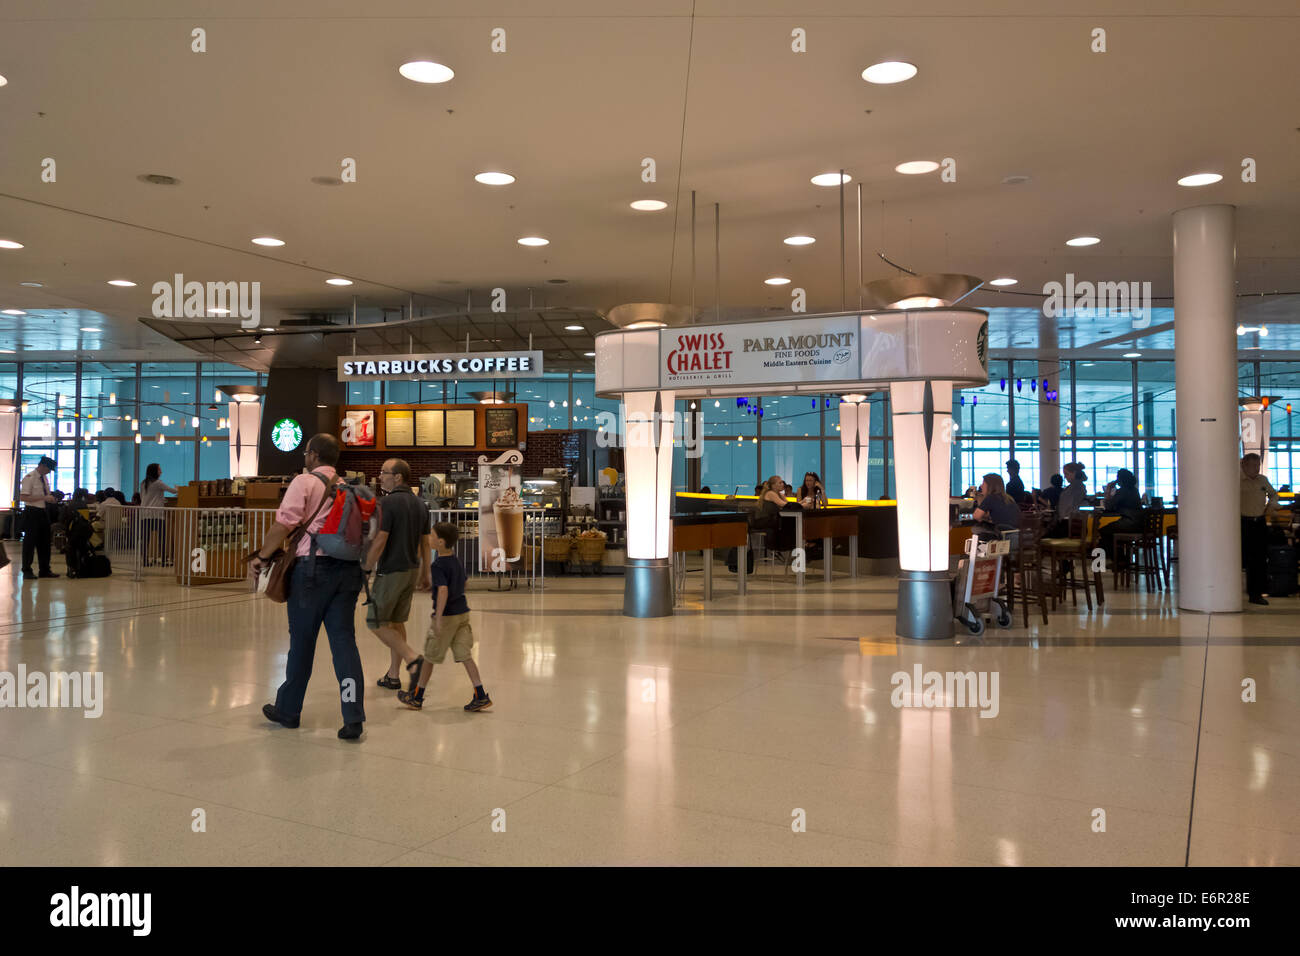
[[1003, 385], [137, 438], [1019, 384]]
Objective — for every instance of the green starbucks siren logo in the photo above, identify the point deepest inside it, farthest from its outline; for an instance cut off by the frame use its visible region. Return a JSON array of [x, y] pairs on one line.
[[286, 435], [982, 346]]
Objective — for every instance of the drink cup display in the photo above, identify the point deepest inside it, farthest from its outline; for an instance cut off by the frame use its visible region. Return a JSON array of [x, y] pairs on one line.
[[509, 513]]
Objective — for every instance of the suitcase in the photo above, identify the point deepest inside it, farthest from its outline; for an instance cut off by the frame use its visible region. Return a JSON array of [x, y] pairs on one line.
[[95, 566], [1282, 570]]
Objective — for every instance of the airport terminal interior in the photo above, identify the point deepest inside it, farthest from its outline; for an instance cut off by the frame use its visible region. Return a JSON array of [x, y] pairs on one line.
[[712, 332]]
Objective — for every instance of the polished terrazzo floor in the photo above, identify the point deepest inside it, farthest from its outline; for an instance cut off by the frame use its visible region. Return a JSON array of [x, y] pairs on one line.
[[690, 740]]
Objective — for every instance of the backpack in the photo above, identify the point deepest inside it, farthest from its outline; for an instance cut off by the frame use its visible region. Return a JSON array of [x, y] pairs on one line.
[[350, 522]]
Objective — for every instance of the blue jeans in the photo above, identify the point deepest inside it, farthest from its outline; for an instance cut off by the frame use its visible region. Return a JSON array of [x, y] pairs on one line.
[[328, 597]]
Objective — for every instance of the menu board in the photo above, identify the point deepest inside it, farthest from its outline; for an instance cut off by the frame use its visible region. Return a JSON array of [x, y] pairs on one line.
[[359, 428], [399, 428], [429, 427], [460, 427], [502, 427]]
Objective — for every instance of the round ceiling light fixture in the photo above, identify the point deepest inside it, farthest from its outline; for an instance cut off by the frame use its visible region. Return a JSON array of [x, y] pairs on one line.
[[534, 241], [573, 328], [14, 312], [799, 240], [267, 241], [33, 285], [88, 329], [1200, 179], [123, 283], [10, 244], [426, 71], [494, 179], [916, 167], [831, 179], [1003, 281], [1082, 241], [776, 280], [648, 205], [3, 81], [1132, 354], [589, 354], [338, 280], [890, 71]]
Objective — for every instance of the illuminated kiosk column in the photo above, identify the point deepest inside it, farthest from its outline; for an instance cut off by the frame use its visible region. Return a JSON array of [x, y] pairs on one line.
[[922, 418], [648, 460], [1205, 379], [855, 446], [1256, 420], [245, 427], [11, 413]]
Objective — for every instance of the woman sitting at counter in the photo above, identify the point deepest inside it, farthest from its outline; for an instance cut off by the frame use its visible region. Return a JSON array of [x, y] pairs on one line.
[[812, 494], [995, 511], [1121, 499]]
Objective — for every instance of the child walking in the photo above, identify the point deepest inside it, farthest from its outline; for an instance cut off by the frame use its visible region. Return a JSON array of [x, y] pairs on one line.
[[449, 626]]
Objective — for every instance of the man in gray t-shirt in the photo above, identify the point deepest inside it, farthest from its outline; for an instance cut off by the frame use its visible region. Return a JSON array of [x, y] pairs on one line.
[[400, 556]]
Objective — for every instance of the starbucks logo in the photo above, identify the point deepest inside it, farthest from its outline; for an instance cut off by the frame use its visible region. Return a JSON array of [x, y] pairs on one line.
[[286, 435], [982, 346]]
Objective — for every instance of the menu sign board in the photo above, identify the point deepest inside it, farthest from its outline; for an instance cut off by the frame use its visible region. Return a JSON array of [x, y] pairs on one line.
[[805, 350], [502, 426], [460, 427], [358, 428], [429, 427], [399, 428]]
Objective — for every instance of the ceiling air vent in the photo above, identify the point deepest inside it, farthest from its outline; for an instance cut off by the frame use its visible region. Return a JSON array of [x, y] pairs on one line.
[[158, 179]]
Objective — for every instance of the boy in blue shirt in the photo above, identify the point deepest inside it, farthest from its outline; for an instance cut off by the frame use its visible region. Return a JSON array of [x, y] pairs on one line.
[[449, 626]]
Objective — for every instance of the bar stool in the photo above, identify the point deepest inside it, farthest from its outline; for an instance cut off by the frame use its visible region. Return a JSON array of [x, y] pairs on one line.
[[1027, 562], [1062, 554], [1140, 554]]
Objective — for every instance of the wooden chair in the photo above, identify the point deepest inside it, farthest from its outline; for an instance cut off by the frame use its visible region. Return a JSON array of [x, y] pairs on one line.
[[1140, 554], [1064, 555], [1027, 562]]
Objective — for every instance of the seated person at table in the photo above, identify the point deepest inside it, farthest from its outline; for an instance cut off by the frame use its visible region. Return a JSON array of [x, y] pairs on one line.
[[994, 509], [1052, 495], [771, 499], [811, 493], [1121, 499]]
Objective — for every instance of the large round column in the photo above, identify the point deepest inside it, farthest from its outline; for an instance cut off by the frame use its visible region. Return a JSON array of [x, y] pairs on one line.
[[1205, 369], [648, 460], [922, 419]]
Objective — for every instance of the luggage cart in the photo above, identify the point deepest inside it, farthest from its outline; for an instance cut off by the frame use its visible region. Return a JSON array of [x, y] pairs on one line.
[[977, 594]]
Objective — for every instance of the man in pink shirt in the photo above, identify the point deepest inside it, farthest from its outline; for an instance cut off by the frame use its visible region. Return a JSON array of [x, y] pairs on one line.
[[322, 590]]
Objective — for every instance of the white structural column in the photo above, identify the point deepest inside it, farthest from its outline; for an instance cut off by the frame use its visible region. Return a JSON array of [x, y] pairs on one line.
[[245, 425], [922, 419], [648, 461], [1049, 425], [855, 447], [10, 419], [1205, 368]]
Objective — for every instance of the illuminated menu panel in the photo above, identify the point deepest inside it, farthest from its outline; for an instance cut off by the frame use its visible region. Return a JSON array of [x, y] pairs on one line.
[[399, 428], [429, 428], [460, 428]]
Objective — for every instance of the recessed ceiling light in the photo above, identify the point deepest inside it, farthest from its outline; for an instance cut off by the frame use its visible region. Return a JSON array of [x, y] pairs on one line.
[[338, 281], [1132, 354], [534, 241], [1199, 179], [32, 285], [799, 240], [1082, 241], [649, 205], [219, 311], [831, 179], [647, 324], [10, 244], [589, 354], [3, 81], [891, 71], [916, 167], [426, 71], [1002, 282], [124, 283], [267, 241], [776, 280], [573, 328], [86, 329], [14, 312], [494, 179]]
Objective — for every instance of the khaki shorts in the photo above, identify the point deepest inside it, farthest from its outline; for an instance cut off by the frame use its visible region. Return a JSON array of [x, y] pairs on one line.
[[390, 598], [456, 634]]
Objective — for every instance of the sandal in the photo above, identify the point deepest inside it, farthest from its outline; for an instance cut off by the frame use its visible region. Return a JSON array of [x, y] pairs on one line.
[[413, 669], [389, 683]]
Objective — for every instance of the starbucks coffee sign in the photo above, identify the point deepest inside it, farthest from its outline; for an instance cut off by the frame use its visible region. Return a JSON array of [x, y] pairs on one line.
[[462, 366], [286, 435]]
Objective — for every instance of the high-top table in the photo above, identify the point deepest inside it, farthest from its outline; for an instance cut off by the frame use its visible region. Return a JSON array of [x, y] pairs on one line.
[[707, 531]]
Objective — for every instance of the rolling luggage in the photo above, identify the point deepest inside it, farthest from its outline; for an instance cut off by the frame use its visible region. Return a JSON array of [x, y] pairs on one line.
[[1282, 568]]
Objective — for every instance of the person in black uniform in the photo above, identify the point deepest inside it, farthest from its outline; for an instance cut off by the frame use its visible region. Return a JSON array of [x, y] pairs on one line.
[[35, 495], [1015, 487]]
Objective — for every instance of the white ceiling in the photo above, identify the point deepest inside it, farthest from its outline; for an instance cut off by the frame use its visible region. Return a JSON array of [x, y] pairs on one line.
[[585, 91]]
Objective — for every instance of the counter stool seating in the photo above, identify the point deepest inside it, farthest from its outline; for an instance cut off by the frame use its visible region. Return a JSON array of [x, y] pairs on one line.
[[1075, 550], [1142, 553], [1027, 564], [1171, 544], [773, 545]]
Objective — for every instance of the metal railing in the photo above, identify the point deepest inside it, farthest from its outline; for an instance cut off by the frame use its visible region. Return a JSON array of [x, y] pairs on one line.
[[530, 568]]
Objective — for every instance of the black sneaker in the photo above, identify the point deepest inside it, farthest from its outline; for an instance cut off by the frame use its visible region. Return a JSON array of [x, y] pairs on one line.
[[479, 703], [389, 683], [275, 717], [410, 700], [351, 731]]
